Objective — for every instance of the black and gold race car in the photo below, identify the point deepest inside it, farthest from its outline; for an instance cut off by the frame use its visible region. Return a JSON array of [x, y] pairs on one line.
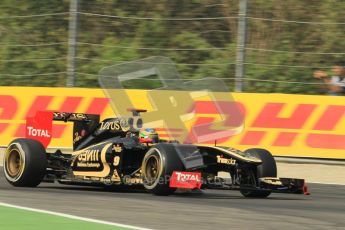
[[115, 152]]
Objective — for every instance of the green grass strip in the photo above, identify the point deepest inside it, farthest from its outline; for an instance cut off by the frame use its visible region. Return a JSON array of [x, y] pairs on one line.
[[15, 219]]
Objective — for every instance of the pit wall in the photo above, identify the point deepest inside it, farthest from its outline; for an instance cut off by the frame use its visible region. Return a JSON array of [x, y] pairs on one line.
[[287, 125]]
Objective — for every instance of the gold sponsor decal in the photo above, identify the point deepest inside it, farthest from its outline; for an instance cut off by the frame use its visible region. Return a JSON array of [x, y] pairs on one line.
[[92, 178], [231, 153], [222, 160], [73, 116], [115, 176], [106, 168], [89, 159], [133, 181], [76, 137], [124, 124], [106, 180], [110, 125], [117, 148], [88, 164], [116, 160], [89, 155]]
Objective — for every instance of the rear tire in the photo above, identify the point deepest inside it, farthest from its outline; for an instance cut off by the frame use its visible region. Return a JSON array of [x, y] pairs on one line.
[[25, 163], [268, 168], [158, 164]]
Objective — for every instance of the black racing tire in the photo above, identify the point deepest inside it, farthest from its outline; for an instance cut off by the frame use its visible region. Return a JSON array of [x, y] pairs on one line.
[[268, 168], [25, 163], [157, 166]]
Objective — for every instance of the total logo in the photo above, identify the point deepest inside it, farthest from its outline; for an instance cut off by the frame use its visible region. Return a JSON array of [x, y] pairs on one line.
[[188, 180], [37, 132], [185, 176]]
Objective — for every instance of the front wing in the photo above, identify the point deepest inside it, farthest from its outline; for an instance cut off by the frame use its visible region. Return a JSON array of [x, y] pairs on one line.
[[284, 185], [193, 180]]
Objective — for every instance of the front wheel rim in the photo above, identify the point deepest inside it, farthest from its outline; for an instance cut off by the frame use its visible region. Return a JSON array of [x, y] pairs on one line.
[[152, 169], [152, 176]]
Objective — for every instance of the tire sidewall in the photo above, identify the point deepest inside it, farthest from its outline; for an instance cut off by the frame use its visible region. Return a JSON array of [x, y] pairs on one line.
[[5, 164], [35, 162], [156, 152], [170, 161], [267, 168]]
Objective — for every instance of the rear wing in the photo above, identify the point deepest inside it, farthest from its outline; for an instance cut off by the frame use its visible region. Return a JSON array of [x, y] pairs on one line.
[[40, 126], [82, 117]]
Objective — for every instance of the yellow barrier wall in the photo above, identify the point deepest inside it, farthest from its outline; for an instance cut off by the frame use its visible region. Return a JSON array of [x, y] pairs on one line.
[[287, 125]]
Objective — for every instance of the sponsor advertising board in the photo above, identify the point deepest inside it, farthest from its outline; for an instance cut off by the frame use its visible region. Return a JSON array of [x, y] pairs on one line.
[[287, 125]]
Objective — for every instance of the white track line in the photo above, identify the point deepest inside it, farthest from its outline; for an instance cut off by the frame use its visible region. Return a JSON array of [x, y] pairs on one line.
[[72, 216]]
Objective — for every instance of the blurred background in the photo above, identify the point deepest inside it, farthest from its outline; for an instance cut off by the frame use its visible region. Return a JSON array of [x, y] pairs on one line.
[[275, 45]]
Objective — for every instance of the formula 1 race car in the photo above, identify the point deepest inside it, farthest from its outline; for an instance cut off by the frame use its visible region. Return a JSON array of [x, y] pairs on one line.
[[115, 152]]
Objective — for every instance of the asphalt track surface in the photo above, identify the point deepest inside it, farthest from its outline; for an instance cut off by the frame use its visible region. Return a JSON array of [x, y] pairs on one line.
[[211, 209]]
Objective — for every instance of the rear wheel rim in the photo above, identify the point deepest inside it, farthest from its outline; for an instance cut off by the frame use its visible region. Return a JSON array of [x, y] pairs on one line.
[[14, 165]]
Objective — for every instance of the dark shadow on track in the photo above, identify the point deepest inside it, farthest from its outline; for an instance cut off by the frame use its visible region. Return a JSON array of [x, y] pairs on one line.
[[195, 194]]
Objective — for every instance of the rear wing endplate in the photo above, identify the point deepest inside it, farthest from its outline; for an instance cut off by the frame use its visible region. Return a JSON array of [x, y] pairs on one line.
[[39, 127]]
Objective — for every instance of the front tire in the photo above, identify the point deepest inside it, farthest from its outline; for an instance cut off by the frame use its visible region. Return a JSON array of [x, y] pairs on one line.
[[158, 164], [25, 163], [268, 168]]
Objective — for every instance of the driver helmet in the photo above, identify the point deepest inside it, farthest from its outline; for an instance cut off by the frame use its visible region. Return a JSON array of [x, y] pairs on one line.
[[148, 135]]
